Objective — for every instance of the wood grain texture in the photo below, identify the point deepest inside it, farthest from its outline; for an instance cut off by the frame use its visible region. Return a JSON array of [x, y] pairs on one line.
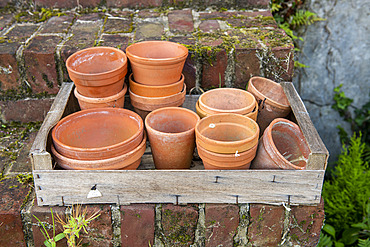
[[319, 154], [179, 186]]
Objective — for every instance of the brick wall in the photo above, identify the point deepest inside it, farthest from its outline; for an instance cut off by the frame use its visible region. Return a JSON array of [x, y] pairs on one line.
[[232, 45], [186, 225]]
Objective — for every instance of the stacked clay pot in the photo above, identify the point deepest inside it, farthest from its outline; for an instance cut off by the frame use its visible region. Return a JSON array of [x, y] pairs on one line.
[[282, 146], [227, 141], [99, 139], [227, 100], [99, 74], [156, 81], [271, 98]]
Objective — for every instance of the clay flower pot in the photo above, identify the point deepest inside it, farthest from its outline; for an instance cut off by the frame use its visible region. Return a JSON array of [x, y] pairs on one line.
[[156, 91], [98, 71], [117, 100], [171, 136], [282, 146], [126, 161], [99, 133], [203, 114], [227, 133], [271, 98], [157, 62], [216, 161], [227, 100], [143, 105]]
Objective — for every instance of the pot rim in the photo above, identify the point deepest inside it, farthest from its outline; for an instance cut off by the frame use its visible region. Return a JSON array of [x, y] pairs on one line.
[[143, 60], [217, 156], [134, 84], [171, 108], [157, 100], [244, 144], [203, 114], [133, 156], [280, 157], [103, 99], [262, 96], [92, 75], [243, 110], [96, 110]]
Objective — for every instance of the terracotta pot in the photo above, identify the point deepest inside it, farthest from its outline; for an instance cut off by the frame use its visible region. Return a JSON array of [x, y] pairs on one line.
[[271, 98], [227, 133], [156, 91], [216, 161], [98, 133], [227, 100], [117, 100], [127, 161], [157, 62], [171, 136], [153, 103], [203, 114], [282, 146], [98, 71]]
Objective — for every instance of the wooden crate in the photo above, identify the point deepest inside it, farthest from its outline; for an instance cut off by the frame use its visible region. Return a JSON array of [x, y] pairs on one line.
[[146, 185]]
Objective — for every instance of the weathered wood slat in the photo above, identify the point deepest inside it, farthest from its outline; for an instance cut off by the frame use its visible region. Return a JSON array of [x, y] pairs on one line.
[[179, 186], [41, 159], [319, 154]]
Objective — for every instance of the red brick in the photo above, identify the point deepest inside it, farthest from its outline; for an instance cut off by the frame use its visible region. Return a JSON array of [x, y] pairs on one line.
[[179, 224], [214, 67], [215, 15], [40, 64], [285, 62], [9, 72], [247, 21], [56, 3], [149, 31], [137, 225], [45, 216], [12, 196], [266, 225], [181, 21], [23, 162], [222, 221], [100, 233], [247, 65], [189, 70], [134, 3], [306, 223], [58, 24], [249, 4], [25, 110], [114, 40], [209, 26], [66, 3], [5, 20], [114, 25], [146, 13], [84, 36], [21, 33]]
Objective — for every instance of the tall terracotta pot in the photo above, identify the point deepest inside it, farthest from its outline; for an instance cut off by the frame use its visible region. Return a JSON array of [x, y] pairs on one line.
[[98, 71], [171, 136], [157, 62], [282, 146], [271, 98]]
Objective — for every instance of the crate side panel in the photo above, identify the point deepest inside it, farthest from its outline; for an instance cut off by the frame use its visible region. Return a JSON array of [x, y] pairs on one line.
[[319, 153], [271, 187]]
